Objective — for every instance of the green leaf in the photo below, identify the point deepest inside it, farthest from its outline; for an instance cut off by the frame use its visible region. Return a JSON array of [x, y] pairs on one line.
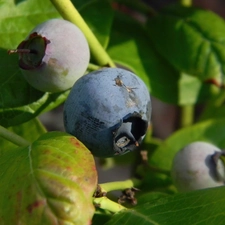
[[100, 218], [11, 115], [30, 130], [49, 182], [98, 15], [150, 197], [192, 40], [212, 131], [131, 49], [155, 181], [81, 3], [193, 91], [198, 207], [19, 102], [211, 113], [17, 20], [215, 108], [134, 50]]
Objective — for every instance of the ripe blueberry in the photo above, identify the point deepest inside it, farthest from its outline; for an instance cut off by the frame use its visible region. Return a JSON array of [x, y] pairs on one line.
[[198, 166], [109, 111], [53, 56]]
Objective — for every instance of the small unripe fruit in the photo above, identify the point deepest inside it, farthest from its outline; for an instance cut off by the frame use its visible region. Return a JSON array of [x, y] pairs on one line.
[[198, 166], [109, 111], [53, 56]]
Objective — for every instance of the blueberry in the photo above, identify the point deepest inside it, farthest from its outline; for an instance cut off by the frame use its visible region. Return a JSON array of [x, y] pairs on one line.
[[197, 166], [109, 111], [53, 56]]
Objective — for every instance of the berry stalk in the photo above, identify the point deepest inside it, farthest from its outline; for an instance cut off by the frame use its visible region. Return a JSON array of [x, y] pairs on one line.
[[107, 204], [187, 115], [70, 13], [93, 67], [186, 3], [119, 185], [12, 137]]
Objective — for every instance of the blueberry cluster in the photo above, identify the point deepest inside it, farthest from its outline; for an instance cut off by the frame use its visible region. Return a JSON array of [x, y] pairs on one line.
[[108, 110]]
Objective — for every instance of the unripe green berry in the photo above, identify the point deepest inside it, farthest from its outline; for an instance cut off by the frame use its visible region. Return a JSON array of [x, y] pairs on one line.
[[53, 56], [198, 166]]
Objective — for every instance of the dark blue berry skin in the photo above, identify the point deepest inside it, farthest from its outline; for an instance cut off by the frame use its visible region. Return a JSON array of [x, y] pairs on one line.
[[109, 111]]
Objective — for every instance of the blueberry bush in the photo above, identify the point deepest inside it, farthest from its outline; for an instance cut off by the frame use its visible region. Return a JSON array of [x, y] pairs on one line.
[[50, 177]]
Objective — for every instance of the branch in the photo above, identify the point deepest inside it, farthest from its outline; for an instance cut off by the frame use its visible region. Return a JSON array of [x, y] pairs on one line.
[[70, 13], [12, 137]]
